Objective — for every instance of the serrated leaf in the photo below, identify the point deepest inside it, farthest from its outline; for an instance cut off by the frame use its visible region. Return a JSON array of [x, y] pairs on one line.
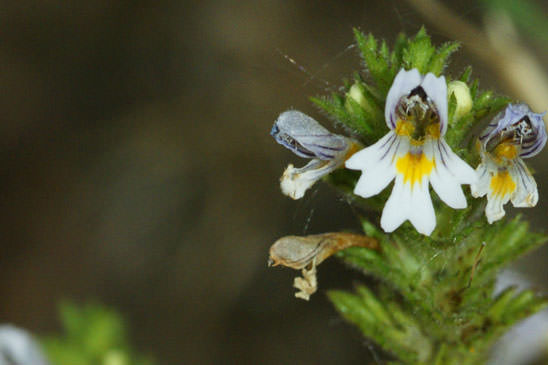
[[466, 74], [419, 52], [396, 57], [376, 61], [439, 60]]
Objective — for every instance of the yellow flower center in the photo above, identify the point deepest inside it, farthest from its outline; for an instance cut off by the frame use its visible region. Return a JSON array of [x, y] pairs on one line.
[[502, 184], [417, 133], [506, 150], [414, 167], [404, 128], [433, 130]]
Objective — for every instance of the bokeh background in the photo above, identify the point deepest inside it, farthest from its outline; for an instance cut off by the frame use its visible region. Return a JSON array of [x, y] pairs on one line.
[[138, 171]]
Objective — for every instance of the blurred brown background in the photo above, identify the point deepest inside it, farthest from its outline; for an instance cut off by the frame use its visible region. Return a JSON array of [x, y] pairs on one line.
[[137, 168]]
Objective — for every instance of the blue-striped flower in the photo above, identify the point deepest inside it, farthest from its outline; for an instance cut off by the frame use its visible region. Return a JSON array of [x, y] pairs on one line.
[[514, 133], [414, 153]]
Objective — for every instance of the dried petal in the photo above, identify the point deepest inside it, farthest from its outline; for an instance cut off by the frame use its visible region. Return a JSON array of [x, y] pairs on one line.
[[297, 252], [307, 284]]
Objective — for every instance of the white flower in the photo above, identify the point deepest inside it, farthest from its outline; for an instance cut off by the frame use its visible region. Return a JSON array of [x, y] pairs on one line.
[[524, 343], [515, 133], [307, 138], [414, 153], [18, 347]]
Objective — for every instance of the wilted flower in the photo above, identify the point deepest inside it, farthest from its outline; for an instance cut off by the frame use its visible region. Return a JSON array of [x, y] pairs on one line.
[[415, 153], [306, 252], [515, 133], [307, 138], [18, 347]]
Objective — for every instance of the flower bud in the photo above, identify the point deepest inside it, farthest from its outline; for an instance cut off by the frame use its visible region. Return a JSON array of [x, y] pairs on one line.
[[462, 95], [355, 93]]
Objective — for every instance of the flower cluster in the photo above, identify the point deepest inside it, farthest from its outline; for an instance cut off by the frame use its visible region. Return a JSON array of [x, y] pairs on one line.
[[415, 154], [422, 164]]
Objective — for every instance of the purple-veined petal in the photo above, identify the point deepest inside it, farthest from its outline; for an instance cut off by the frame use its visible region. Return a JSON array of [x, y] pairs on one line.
[[481, 186], [404, 82], [436, 89], [494, 209], [449, 173], [305, 137], [507, 120], [526, 193]]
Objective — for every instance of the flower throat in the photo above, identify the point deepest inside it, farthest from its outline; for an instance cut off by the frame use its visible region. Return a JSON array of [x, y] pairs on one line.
[[417, 116]]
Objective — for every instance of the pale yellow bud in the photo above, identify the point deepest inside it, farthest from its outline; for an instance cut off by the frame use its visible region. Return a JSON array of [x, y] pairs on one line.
[[115, 357], [355, 93], [462, 95]]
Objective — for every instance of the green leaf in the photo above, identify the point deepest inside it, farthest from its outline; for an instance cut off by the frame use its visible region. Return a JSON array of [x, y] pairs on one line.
[[419, 52], [354, 309], [92, 335], [375, 61], [439, 60], [396, 57]]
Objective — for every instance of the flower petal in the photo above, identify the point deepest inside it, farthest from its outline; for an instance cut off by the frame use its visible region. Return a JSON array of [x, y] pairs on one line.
[[374, 180], [501, 187], [409, 203], [448, 189], [404, 82], [376, 161], [481, 187], [370, 155], [422, 214], [460, 169], [17, 346], [449, 172], [436, 89], [526, 194], [305, 137], [494, 209], [296, 181], [397, 207]]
